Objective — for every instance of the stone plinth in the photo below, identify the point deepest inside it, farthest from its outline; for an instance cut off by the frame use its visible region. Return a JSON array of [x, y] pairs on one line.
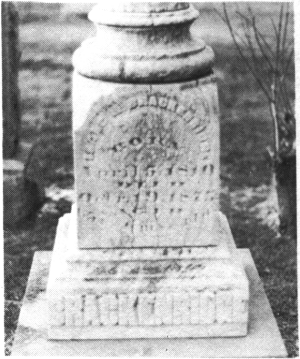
[[146, 293], [262, 341]]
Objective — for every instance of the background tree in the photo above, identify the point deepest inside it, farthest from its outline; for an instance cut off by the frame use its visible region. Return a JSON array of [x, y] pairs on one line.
[[270, 59]]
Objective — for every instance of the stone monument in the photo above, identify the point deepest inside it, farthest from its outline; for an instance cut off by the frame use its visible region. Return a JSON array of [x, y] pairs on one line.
[[145, 252]]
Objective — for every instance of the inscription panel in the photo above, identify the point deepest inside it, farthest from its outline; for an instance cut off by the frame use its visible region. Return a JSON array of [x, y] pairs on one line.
[[149, 309], [145, 170]]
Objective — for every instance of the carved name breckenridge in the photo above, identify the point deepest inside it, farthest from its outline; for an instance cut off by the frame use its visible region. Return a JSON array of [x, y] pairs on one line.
[[145, 172], [178, 308]]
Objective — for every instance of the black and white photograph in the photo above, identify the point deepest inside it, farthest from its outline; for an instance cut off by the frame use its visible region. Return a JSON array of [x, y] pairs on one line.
[[149, 179]]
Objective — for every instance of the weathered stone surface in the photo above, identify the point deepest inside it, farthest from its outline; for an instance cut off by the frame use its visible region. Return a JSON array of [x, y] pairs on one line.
[[90, 298], [147, 170], [145, 253], [153, 46], [133, 255], [262, 341]]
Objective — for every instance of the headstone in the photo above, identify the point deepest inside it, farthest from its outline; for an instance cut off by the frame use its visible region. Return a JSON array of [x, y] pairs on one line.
[[145, 252], [20, 195]]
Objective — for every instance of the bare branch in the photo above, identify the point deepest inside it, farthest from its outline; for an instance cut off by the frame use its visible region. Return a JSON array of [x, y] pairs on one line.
[[286, 21], [253, 72], [280, 23], [279, 47], [255, 60], [277, 37], [220, 15], [283, 47], [258, 41], [256, 52], [287, 101], [261, 36], [289, 61], [274, 115], [274, 28], [283, 97]]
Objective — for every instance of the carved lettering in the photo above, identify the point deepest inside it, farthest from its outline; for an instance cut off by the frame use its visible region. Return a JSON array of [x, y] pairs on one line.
[[224, 306], [128, 309], [146, 309], [74, 311], [91, 316], [207, 307], [156, 143], [195, 307], [57, 311], [240, 306]]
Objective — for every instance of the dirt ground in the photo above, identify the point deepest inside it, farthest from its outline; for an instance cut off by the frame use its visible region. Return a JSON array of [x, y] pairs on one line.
[[48, 39]]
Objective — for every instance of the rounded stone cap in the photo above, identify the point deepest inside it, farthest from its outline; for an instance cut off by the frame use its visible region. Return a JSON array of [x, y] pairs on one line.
[[143, 43]]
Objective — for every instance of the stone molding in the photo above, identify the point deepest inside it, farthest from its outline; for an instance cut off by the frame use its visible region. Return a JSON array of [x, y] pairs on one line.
[[150, 45], [262, 341], [90, 299], [143, 15]]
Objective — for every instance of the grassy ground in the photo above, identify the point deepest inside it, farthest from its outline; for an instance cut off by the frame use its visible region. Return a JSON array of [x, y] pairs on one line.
[[45, 81]]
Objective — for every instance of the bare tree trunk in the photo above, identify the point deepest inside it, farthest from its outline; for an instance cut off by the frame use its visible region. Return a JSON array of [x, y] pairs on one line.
[[10, 68], [285, 171], [278, 57], [21, 195]]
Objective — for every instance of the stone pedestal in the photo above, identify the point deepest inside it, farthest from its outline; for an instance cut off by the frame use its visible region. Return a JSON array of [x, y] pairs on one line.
[[145, 252], [263, 339], [146, 292]]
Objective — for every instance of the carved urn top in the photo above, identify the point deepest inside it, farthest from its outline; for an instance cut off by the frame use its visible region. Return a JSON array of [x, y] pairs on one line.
[[143, 43]]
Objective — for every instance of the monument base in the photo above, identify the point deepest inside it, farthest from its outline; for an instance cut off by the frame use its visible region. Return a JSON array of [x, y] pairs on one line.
[[263, 338], [146, 292]]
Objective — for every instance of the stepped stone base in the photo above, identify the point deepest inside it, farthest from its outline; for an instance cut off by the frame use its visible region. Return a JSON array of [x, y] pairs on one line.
[[262, 341], [155, 293]]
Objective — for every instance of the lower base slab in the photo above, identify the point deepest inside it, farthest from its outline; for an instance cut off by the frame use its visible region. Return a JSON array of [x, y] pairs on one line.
[[172, 331], [263, 339]]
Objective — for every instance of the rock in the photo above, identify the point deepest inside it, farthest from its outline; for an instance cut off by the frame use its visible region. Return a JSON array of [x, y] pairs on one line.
[[21, 196]]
